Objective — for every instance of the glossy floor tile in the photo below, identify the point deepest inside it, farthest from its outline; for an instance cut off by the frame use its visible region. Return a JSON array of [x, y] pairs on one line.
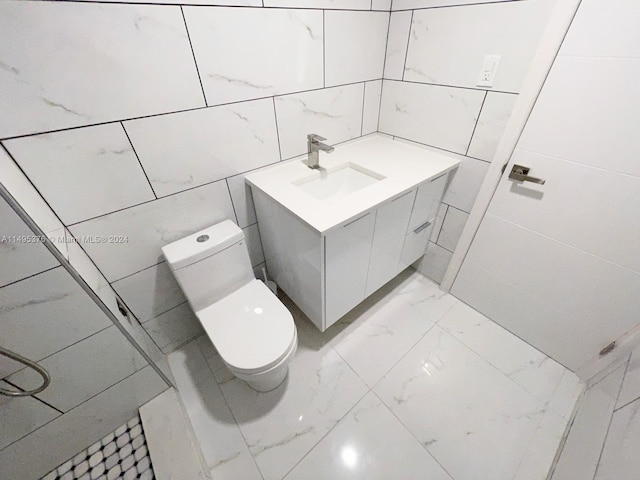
[[410, 384]]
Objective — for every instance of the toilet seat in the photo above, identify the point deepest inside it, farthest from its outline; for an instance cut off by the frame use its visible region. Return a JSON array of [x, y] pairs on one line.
[[251, 329]]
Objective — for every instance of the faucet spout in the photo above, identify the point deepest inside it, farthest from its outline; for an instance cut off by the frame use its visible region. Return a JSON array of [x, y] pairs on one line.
[[314, 145]]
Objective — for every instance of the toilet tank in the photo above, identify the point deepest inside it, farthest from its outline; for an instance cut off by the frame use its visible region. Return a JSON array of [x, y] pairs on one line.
[[210, 264]]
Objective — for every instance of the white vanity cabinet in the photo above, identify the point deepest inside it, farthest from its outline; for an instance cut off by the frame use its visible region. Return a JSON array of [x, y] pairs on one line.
[[334, 235], [328, 274]]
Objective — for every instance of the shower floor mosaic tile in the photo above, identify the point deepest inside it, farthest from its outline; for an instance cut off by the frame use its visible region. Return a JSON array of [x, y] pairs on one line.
[[123, 454]]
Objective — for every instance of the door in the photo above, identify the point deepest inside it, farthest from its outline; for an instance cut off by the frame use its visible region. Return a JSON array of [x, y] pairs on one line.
[[559, 264]]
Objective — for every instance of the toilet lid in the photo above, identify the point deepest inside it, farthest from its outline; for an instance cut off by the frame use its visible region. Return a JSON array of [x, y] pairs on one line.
[[250, 328]]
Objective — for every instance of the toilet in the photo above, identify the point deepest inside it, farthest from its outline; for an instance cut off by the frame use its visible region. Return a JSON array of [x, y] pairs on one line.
[[252, 330]]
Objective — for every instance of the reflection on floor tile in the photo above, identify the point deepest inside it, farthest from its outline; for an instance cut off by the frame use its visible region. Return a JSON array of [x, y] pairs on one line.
[[410, 384], [369, 443]]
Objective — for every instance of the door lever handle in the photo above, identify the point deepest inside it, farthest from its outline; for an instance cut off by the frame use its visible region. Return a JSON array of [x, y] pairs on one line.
[[521, 174]]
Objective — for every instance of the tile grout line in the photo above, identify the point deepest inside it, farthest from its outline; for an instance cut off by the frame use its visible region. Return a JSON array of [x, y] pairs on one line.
[[139, 161], [424, 447], [275, 116], [364, 93], [406, 52], [484, 99], [36, 396], [384, 67], [193, 54], [324, 52], [444, 217], [30, 276], [233, 206]]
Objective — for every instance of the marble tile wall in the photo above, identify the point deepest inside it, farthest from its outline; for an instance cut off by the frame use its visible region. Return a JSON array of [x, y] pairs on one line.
[[140, 128], [435, 50], [47, 317]]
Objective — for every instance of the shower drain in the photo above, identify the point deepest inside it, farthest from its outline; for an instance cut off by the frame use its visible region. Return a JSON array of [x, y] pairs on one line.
[[122, 454]]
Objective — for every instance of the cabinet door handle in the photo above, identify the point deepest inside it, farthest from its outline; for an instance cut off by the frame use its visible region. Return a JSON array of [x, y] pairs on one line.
[[422, 227]]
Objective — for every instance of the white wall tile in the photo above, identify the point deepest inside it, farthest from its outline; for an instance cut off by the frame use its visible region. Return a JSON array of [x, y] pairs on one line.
[[254, 244], [85, 172], [409, 4], [601, 205], [334, 113], [151, 225], [84, 369], [381, 5], [333, 4], [187, 149], [354, 46], [447, 45], [150, 292], [46, 313], [22, 190], [22, 256], [452, 227], [21, 416], [606, 123], [70, 433], [466, 182], [435, 262], [604, 29], [442, 117], [397, 40], [494, 116], [174, 328], [242, 201], [372, 94], [103, 64], [246, 53]]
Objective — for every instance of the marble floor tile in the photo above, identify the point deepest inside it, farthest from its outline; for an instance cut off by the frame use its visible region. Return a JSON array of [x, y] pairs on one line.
[[281, 426], [368, 444], [389, 330], [410, 384], [528, 367], [223, 447], [475, 421]]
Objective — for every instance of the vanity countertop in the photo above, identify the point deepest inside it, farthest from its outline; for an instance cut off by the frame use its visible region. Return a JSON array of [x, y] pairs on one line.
[[402, 165]]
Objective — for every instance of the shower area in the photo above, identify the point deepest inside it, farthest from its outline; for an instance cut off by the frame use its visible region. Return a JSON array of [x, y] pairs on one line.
[[75, 366]]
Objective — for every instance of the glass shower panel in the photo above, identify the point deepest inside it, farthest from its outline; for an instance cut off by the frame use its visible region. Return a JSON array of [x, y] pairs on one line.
[[98, 378]]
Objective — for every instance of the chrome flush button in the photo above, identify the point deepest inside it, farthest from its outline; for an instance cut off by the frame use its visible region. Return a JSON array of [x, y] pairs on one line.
[[202, 238]]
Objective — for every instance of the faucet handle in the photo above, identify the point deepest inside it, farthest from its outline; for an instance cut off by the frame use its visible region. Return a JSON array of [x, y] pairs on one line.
[[312, 137]]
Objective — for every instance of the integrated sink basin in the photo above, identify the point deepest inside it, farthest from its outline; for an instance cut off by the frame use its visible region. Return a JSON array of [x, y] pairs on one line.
[[338, 182]]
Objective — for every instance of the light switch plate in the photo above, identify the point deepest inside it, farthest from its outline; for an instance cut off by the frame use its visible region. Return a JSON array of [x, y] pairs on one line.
[[488, 70]]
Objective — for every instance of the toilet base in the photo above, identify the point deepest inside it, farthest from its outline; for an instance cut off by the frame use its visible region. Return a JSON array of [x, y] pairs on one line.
[[269, 382], [272, 378]]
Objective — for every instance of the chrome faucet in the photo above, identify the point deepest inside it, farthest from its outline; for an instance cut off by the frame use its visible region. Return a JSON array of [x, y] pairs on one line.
[[314, 145]]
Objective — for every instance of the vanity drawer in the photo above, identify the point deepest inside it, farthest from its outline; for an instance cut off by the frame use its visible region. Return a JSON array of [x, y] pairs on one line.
[[415, 244], [427, 202]]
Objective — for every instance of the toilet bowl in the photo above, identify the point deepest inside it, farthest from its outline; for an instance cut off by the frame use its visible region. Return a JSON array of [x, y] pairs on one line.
[[252, 330]]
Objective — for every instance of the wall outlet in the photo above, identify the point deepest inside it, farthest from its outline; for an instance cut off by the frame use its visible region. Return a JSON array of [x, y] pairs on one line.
[[488, 71]]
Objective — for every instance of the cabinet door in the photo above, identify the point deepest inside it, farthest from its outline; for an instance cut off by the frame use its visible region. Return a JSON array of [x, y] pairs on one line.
[[347, 253], [392, 219]]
